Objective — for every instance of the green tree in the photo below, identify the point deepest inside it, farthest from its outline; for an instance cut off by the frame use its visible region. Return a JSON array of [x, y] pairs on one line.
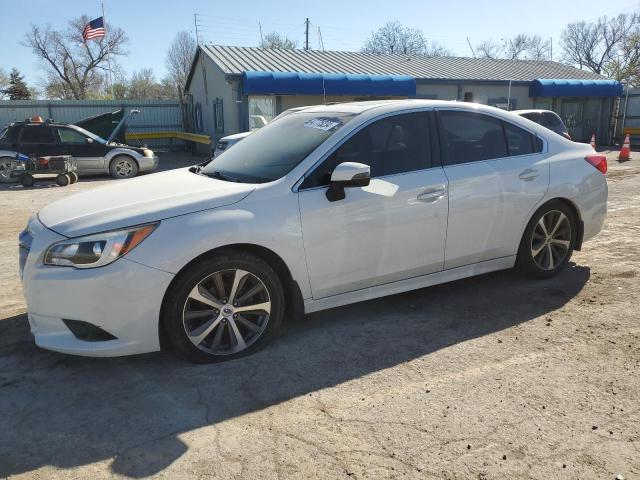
[[17, 89]]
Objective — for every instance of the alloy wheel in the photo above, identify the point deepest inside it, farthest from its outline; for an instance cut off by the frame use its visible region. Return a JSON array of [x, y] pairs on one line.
[[5, 169], [226, 312], [551, 240], [124, 168]]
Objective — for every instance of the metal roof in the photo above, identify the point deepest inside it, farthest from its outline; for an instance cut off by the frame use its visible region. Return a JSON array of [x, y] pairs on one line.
[[237, 60]]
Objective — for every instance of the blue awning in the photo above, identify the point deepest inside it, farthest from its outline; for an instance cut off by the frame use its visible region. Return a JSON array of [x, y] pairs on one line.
[[549, 87], [298, 83]]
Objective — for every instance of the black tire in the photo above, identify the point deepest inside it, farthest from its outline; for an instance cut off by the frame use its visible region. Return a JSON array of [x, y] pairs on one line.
[[62, 180], [123, 166], [27, 180], [177, 298], [73, 176], [532, 241]]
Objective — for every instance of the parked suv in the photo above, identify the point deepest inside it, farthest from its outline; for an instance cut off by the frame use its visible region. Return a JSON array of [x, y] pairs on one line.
[[94, 155], [547, 119], [327, 206]]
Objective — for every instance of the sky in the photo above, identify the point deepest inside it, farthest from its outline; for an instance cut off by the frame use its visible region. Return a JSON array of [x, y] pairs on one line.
[[343, 24]]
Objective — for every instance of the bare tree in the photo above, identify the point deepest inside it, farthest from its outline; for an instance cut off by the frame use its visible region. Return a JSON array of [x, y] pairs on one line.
[[607, 46], [490, 49], [275, 40], [393, 37], [4, 82], [520, 47], [74, 68], [143, 85], [180, 57]]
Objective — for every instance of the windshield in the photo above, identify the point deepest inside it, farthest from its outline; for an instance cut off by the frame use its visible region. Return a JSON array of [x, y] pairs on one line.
[[89, 134], [274, 150]]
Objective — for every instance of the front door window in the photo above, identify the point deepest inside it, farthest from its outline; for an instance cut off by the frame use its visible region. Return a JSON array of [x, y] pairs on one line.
[[262, 109]]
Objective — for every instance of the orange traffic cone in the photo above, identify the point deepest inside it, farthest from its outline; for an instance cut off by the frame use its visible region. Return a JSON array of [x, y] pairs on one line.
[[593, 141], [625, 151]]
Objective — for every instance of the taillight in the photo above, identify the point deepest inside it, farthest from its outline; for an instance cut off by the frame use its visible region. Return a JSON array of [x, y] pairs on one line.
[[598, 161], [566, 135]]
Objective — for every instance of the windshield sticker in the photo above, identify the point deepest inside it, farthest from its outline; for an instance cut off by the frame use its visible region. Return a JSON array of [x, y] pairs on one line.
[[324, 123]]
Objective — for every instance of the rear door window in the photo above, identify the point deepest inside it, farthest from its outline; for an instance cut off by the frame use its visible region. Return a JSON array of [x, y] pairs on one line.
[[470, 137], [37, 134]]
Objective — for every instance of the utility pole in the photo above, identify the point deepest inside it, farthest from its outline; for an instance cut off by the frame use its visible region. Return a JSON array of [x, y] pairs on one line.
[[261, 39], [306, 34], [471, 48], [551, 49], [320, 42], [195, 22]]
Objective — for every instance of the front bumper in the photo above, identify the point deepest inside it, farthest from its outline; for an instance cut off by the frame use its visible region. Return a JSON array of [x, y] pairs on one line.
[[146, 164], [122, 298]]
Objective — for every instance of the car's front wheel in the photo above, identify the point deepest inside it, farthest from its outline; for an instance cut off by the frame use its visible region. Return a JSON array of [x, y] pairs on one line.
[[123, 167], [7, 164], [548, 240], [223, 307]]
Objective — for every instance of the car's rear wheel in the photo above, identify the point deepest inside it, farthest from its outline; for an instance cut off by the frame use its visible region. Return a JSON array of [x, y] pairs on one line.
[[62, 179], [27, 180], [223, 308], [123, 166], [548, 240], [73, 176]]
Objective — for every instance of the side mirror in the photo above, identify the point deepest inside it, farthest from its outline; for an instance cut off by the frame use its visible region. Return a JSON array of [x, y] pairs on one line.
[[89, 141], [347, 174]]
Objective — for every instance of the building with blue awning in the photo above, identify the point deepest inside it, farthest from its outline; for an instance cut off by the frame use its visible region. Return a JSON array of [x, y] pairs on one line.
[[235, 89]]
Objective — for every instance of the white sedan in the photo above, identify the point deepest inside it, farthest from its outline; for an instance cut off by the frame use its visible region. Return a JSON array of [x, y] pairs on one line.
[[327, 206]]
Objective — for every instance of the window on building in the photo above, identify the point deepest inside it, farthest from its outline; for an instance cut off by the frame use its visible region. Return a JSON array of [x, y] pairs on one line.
[[262, 109], [519, 141], [468, 96], [37, 134], [396, 144], [218, 116], [197, 113], [470, 137]]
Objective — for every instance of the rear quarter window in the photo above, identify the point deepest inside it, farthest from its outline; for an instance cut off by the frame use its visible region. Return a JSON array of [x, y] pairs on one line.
[[470, 137]]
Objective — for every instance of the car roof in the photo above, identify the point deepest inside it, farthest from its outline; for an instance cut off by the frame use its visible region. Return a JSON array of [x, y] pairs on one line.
[[532, 110], [399, 106], [37, 124]]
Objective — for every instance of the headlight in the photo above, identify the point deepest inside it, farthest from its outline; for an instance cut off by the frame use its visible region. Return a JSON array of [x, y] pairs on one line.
[[96, 250], [147, 153]]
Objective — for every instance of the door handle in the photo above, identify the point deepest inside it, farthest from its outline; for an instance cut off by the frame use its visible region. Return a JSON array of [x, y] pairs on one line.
[[432, 195], [528, 174]]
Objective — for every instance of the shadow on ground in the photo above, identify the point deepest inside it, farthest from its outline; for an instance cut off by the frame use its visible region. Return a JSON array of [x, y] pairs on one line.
[[68, 411]]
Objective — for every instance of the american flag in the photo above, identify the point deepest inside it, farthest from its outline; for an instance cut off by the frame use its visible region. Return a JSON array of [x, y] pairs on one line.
[[94, 29]]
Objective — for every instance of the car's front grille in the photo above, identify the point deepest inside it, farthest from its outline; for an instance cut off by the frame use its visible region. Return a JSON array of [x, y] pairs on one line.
[[24, 246]]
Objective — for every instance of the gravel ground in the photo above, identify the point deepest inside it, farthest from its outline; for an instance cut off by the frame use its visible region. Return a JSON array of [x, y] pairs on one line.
[[490, 377]]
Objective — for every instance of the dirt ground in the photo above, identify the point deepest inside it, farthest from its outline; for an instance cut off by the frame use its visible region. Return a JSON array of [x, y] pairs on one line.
[[487, 378]]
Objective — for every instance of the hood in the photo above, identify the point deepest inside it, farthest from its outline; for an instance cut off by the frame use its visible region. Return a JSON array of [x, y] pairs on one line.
[[140, 200]]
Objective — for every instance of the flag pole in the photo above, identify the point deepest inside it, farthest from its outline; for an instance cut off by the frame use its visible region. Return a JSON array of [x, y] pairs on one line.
[[106, 36]]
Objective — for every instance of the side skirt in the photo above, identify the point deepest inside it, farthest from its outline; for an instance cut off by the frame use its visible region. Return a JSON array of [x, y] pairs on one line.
[[436, 278]]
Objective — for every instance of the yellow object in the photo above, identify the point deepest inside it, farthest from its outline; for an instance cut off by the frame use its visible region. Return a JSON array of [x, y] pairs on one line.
[[631, 131], [191, 137]]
